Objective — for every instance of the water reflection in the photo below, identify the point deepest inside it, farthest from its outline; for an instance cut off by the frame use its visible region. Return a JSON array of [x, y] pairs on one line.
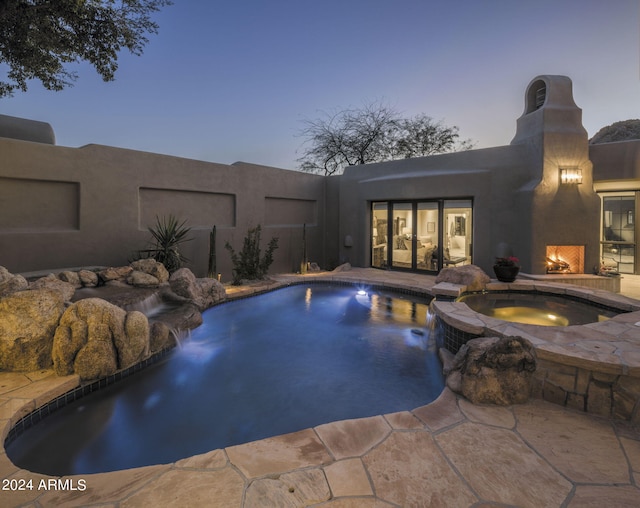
[[259, 367]]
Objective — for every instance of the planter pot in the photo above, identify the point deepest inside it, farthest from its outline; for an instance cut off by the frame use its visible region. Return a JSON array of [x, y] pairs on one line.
[[506, 273]]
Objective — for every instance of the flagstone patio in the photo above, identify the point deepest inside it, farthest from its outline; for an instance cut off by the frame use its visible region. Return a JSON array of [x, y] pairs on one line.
[[449, 453]]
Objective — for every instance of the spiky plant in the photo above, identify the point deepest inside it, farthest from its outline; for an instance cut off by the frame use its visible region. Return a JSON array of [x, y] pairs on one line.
[[168, 234]]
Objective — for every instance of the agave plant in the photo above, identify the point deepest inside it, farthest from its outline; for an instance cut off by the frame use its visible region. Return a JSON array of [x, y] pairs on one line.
[[168, 234]]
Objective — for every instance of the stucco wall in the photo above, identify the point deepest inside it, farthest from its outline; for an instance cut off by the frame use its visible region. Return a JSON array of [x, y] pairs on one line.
[[491, 177], [616, 161], [559, 214], [65, 207]]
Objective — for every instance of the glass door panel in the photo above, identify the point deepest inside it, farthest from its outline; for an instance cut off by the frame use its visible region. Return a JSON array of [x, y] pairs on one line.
[[379, 235], [618, 232], [457, 233], [402, 252], [427, 235]]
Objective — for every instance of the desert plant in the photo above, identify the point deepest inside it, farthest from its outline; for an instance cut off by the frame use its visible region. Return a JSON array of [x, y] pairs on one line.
[[304, 262], [248, 264], [213, 264], [167, 235]]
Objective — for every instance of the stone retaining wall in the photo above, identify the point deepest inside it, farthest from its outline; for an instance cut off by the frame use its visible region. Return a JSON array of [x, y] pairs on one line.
[[593, 368], [609, 395]]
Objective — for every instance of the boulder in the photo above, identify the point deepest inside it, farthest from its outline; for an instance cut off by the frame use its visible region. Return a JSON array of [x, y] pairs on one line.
[[115, 273], [492, 370], [160, 337], [471, 276], [142, 280], [95, 338], [10, 283], [28, 320], [345, 267], [151, 267], [66, 289], [135, 347], [88, 278], [202, 292], [71, 278]]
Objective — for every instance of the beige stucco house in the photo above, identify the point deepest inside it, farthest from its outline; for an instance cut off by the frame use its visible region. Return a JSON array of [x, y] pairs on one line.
[[549, 198]]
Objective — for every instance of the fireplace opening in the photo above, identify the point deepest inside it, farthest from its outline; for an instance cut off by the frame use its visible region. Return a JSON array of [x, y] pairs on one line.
[[565, 259]]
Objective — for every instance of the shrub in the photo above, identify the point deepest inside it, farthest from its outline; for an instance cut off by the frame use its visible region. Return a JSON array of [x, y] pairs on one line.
[[167, 234], [248, 265]]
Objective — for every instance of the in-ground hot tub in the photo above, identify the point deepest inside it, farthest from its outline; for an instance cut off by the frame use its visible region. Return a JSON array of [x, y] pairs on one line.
[[592, 367], [537, 308]]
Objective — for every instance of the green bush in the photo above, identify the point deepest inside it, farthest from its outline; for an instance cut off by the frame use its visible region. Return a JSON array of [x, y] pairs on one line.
[[167, 234], [248, 265]]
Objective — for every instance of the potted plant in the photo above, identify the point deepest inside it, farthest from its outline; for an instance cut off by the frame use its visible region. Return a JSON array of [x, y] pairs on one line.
[[506, 269]]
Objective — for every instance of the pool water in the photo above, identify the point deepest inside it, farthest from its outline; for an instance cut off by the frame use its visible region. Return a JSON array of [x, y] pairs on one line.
[[536, 309], [263, 366]]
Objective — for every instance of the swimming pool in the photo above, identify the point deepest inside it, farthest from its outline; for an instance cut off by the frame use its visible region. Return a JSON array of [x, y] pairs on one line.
[[263, 366]]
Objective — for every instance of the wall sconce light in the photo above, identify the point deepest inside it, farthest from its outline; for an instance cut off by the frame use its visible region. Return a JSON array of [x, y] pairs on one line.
[[570, 175]]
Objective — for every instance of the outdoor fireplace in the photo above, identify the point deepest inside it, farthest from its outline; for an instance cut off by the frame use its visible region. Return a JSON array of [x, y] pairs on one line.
[[565, 259]]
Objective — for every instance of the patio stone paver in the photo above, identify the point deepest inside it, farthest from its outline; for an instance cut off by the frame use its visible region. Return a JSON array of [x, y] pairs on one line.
[[348, 478], [279, 454], [585, 449], [403, 420], [215, 459], [103, 487], [216, 489], [512, 474], [291, 490], [352, 438], [441, 412], [596, 496], [489, 415], [409, 469]]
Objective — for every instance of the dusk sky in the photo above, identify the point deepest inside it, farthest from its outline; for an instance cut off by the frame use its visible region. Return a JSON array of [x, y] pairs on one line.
[[228, 81]]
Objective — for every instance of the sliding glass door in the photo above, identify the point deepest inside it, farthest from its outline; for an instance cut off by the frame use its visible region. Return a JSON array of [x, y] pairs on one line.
[[427, 235], [379, 235], [457, 232], [421, 235], [402, 251]]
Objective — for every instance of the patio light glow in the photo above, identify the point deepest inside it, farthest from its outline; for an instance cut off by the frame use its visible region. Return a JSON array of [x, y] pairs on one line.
[[570, 176]]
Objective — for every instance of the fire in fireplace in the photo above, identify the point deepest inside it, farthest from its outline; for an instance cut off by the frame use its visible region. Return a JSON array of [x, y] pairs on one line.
[[565, 259]]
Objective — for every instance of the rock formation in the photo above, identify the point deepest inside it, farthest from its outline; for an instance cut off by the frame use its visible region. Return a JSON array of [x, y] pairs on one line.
[[66, 289], [28, 320], [10, 283], [95, 338], [471, 276], [92, 337], [203, 293], [492, 370]]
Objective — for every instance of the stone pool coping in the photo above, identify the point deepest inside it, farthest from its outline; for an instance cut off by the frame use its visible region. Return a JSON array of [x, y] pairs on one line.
[[611, 346], [447, 453]]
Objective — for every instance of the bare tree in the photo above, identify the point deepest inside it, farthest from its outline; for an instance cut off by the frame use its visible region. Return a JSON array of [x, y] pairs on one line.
[[374, 133]]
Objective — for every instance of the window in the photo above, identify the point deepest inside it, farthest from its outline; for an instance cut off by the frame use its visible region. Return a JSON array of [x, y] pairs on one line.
[[618, 238], [421, 235]]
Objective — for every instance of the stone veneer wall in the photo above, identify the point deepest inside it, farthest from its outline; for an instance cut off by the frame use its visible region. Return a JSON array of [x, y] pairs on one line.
[[600, 393], [591, 368], [605, 394]]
